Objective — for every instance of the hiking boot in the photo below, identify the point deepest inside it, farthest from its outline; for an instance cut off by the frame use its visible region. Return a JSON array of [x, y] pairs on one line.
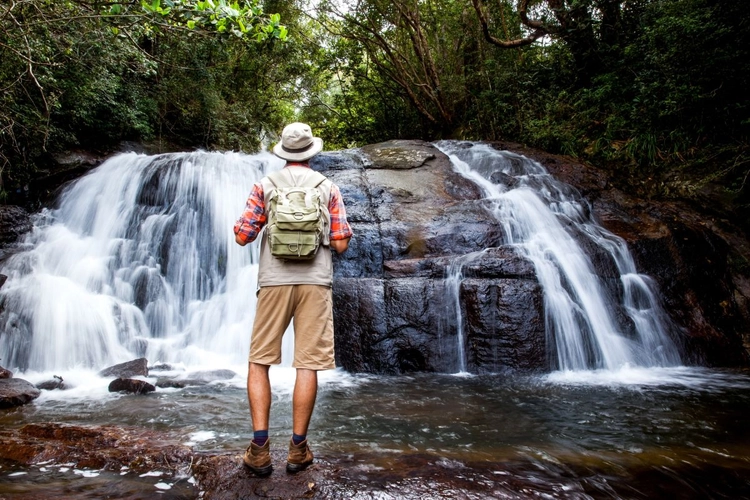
[[299, 457], [258, 459]]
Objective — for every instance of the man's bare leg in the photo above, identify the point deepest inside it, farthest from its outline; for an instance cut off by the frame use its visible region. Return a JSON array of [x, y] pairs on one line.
[[303, 402], [259, 395]]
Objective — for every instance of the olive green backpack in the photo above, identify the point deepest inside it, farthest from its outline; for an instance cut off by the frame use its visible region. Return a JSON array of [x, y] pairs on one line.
[[296, 220]]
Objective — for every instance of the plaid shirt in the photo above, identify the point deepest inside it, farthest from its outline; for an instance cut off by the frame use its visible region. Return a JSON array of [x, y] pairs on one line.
[[253, 218]]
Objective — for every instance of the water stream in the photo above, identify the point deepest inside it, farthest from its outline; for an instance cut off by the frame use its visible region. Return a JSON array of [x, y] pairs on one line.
[[138, 259], [546, 221]]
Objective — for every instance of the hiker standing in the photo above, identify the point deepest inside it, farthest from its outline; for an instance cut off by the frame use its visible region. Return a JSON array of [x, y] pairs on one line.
[[294, 278]]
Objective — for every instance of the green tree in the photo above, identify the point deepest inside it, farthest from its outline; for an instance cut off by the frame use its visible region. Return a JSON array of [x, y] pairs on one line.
[[88, 73]]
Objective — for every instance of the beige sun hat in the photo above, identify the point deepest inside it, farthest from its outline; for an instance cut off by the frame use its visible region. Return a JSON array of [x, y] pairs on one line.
[[297, 143]]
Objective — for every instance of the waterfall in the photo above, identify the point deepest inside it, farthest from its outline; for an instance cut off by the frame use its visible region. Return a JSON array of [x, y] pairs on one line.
[[550, 224], [139, 259]]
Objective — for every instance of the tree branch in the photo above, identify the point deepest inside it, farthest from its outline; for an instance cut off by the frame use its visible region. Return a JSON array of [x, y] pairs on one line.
[[540, 29]]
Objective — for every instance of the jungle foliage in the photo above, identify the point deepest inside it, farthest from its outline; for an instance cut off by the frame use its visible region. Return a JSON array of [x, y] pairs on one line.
[[650, 89], [647, 88]]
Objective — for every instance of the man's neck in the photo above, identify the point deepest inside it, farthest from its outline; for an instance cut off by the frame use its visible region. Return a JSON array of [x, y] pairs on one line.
[[297, 164]]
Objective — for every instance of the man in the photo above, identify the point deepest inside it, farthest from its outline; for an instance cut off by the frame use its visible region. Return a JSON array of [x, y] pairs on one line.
[[298, 289]]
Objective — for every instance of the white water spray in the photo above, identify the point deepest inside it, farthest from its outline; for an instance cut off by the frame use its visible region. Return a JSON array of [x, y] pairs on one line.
[[545, 220], [138, 260]]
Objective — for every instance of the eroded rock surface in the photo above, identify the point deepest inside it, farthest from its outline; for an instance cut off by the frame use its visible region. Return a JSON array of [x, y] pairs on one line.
[[415, 219]]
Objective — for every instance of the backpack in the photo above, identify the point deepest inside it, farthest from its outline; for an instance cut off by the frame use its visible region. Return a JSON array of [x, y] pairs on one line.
[[296, 220]]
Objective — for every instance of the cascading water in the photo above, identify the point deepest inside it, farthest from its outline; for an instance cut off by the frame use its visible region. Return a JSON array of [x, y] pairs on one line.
[[546, 220], [138, 260]]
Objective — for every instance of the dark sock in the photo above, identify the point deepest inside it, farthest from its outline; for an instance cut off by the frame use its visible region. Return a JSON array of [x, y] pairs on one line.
[[297, 439], [260, 437]]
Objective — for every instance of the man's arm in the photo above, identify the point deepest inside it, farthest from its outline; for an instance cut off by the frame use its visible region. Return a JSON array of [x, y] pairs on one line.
[[341, 231], [253, 218]]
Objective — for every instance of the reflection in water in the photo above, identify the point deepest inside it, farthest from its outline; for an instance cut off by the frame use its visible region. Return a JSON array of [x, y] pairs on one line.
[[590, 433]]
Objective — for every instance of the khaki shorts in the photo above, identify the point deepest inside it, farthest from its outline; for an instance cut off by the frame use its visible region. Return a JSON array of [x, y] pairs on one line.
[[311, 306]]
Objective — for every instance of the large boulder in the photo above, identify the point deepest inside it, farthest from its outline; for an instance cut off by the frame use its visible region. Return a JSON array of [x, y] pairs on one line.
[[132, 385], [16, 392], [416, 221]]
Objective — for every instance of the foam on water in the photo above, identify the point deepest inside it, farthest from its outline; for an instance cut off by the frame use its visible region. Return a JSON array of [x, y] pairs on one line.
[[635, 376]]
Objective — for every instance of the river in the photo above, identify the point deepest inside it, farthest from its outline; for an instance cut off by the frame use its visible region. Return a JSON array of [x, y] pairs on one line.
[[634, 433]]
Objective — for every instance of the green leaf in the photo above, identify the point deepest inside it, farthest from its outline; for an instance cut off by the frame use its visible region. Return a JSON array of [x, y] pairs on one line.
[[191, 24]]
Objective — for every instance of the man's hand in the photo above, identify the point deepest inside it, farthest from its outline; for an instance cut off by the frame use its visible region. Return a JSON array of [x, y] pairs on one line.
[[240, 241], [340, 245]]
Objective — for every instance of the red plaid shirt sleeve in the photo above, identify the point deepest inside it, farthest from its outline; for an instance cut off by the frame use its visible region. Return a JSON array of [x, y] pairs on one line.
[[253, 218], [340, 228]]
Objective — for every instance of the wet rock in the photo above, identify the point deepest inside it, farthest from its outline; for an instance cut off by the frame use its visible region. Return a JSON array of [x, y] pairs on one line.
[[697, 253], [399, 154], [14, 222], [4, 373], [414, 219], [16, 392], [505, 327], [105, 447], [224, 477], [499, 262], [131, 385], [337, 160], [50, 385], [137, 367]]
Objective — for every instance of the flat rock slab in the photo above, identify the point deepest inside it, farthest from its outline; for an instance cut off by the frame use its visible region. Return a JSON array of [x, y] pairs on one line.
[[361, 474]]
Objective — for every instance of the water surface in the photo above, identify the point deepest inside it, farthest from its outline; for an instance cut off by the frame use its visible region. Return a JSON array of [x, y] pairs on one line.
[[677, 432]]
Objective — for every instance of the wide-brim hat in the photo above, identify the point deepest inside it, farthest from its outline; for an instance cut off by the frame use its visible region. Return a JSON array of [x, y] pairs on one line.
[[297, 143]]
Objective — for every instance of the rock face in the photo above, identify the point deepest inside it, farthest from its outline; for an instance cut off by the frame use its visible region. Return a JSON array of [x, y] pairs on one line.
[[395, 312], [415, 220], [16, 392], [418, 222], [15, 221], [698, 255]]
